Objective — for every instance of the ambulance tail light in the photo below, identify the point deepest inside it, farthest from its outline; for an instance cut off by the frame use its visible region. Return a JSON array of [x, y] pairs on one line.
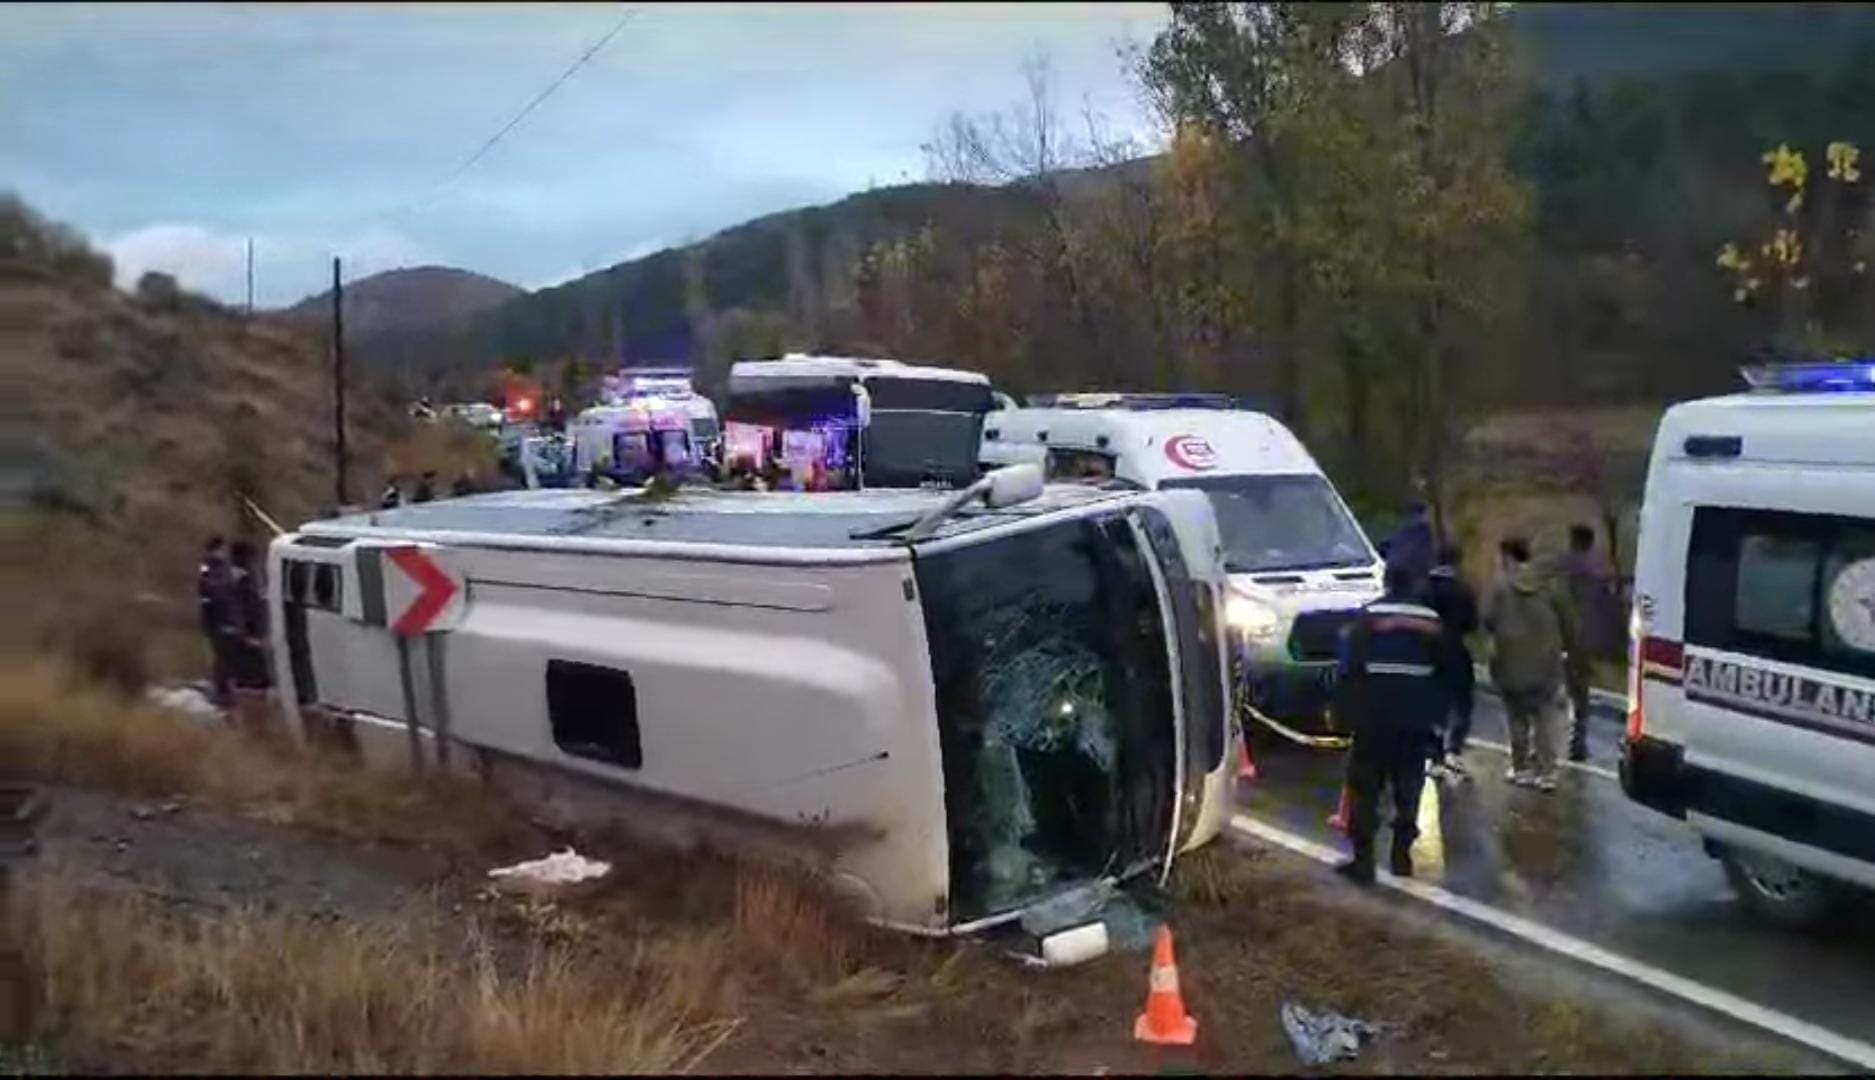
[[1637, 716], [1649, 655]]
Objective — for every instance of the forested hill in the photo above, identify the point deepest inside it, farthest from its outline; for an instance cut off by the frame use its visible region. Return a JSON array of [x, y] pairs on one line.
[[1640, 134]]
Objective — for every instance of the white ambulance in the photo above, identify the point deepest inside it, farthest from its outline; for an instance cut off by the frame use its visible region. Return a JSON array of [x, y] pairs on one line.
[[1299, 564], [1752, 675]]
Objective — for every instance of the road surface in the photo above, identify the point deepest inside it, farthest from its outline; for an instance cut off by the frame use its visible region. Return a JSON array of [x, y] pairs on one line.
[[1588, 862]]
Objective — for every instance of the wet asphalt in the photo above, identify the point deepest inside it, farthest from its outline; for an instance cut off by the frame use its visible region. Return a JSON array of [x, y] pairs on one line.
[[1589, 862]]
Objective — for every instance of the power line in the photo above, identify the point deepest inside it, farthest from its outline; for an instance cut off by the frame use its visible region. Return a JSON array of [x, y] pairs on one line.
[[592, 51]]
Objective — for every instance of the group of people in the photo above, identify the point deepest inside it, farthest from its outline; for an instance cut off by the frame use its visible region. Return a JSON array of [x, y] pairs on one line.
[[1406, 681], [233, 612]]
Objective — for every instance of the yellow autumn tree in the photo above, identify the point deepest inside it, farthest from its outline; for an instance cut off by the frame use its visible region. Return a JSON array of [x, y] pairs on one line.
[[1808, 269]]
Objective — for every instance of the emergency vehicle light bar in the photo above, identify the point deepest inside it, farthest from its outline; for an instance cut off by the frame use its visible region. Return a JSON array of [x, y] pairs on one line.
[[1828, 377], [1138, 402]]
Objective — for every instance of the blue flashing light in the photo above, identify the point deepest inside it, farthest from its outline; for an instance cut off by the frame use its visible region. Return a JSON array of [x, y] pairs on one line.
[[1827, 377]]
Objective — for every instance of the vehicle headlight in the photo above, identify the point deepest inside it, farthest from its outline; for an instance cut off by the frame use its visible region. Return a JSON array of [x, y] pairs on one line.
[[1254, 619]]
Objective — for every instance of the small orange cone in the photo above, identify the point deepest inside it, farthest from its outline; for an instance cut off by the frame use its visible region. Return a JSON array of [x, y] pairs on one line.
[[1339, 822], [1246, 769], [1165, 1020]]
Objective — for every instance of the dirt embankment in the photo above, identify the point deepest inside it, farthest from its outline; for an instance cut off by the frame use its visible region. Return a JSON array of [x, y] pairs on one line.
[[175, 856]]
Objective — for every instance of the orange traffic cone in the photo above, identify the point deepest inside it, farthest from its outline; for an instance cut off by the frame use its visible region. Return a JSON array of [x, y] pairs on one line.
[[1165, 1020], [1246, 769], [1339, 822]]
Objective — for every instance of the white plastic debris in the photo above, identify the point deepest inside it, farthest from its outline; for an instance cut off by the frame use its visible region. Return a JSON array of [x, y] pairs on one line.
[[188, 701], [1322, 1037], [560, 868]]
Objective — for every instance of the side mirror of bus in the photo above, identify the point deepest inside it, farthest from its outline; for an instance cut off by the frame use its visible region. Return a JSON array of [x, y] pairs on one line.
[[1013, 484]]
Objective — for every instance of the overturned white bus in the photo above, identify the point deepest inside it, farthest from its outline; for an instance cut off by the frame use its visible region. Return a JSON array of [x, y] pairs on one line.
[[956, 704]]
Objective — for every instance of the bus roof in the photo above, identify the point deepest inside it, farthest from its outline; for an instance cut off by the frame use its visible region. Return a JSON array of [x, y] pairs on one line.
[[798, 365], [719, 519]]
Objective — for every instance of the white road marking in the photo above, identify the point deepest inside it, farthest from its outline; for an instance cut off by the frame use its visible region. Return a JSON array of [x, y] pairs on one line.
[[1599, 770], [1802, 1031]]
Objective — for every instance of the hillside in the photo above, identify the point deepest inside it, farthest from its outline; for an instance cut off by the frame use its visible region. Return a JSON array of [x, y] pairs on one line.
[[1640, 137], [406, 299], [391, 317], [146, 417]]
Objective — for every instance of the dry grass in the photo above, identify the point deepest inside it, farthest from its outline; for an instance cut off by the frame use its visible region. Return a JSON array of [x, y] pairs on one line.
[[131, 985], [1257, 931], [56, 726]]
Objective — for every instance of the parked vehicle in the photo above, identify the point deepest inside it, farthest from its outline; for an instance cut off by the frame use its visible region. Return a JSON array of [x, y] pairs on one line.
[[1752, 670], [844, 423], [668, 388], [631, 442], [957, 704], [479, 415], [1299, 564]]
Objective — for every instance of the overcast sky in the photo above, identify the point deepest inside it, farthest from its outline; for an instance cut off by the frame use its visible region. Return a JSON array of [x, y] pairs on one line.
[[168, 134]]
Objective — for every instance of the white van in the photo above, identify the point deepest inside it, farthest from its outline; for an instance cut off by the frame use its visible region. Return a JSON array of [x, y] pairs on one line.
[[957, 704], [1300, 567], [1752, 674]]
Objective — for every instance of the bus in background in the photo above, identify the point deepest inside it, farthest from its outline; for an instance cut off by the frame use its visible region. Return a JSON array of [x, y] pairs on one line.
[[842, 423], [1299, 565]]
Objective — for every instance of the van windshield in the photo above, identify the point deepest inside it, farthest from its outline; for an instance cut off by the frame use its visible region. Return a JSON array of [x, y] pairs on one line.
[[1054, 701], [1281, 523]]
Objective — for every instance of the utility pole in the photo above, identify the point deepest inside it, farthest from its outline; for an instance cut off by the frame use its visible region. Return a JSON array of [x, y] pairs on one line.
[[338, 377], [250, 277]]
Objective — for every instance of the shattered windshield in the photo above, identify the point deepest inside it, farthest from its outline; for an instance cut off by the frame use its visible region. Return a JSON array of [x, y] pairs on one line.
[[1048, 655], [1281, 523]]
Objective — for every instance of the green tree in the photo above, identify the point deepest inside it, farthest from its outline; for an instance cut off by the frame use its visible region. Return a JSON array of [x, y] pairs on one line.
[[1230, 69]]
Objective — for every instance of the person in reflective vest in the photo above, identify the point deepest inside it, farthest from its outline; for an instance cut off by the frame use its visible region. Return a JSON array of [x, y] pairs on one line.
[[1392, 685]]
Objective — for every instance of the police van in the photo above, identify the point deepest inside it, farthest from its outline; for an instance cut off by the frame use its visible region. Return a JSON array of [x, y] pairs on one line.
[[1299, 565], [1752, 665]]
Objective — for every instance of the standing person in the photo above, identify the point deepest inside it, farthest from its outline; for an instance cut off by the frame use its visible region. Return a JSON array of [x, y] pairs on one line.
[[1392, 686], [1411, 545], [247, 632], [1457, 606], [1590, 584], [1528, 631], [211, 596]]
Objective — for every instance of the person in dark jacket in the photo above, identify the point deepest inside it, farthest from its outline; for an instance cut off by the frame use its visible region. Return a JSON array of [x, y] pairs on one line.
[[426, 489], [246, 629], [1457, 606], [1589, 586], [211, 594], [1411, 546], [1392, 687]]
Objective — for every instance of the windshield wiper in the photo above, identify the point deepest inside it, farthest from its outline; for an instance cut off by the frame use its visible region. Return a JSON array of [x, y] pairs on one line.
[[882, 532]]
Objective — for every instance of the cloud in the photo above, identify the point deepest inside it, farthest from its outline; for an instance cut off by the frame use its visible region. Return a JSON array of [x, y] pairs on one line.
[[286, 267]]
